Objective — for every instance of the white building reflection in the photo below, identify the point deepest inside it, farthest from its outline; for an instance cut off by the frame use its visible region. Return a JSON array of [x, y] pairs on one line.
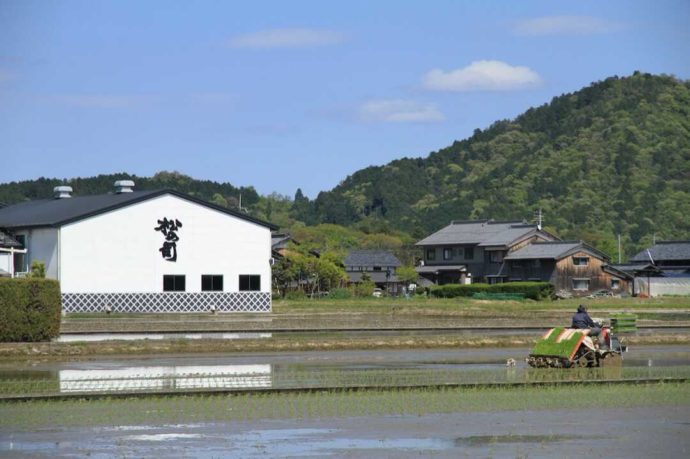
[[164, 378]]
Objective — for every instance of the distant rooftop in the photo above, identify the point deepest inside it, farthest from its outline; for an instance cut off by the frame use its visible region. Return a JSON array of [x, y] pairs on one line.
[[8, 241], [554, 250], [664, 251], [484, 233], [371, 258]]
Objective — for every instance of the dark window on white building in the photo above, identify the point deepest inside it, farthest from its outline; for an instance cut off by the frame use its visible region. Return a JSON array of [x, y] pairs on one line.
[[174, 283], [211, 283], [250, 282]]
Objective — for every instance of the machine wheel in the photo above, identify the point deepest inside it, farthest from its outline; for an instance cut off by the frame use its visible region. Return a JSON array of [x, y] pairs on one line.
[[584, 359]]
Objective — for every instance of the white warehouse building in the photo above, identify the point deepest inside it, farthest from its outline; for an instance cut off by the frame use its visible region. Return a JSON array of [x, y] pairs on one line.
[[143, 251]]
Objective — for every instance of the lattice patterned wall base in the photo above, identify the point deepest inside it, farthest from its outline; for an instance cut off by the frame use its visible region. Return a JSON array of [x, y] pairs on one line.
[[167, 302]]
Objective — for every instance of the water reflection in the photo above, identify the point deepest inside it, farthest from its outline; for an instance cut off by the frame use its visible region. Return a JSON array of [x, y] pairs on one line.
[[161, 378], [96, 337]]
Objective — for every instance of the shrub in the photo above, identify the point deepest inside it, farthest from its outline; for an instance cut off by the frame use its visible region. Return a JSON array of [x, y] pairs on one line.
[[456, 290], [340, 294], [533, 290], [29, 309], [38, 269], [364, 288]]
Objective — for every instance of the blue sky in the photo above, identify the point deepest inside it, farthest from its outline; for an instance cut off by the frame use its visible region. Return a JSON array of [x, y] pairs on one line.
[[280, 95]]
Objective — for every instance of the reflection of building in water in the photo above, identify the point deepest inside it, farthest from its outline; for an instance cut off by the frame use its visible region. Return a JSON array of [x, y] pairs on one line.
[[167, 378]]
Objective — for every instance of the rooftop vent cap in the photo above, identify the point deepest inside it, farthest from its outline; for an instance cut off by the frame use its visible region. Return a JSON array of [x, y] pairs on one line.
[[62, 192], [124, 186]]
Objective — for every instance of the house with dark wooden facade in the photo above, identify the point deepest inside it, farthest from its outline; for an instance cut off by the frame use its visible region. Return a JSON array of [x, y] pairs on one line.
[[571, 266], [474, 250], [378, 265]]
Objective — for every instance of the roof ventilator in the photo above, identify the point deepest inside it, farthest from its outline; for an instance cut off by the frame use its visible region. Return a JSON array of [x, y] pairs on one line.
[[124, 186], [62, 192]]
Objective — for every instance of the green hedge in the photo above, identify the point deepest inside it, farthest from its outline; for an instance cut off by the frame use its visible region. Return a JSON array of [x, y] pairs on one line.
[[29, 309], [532, 290]]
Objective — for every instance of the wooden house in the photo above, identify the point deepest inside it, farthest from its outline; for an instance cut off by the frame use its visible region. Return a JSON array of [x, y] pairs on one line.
[[571, 266]]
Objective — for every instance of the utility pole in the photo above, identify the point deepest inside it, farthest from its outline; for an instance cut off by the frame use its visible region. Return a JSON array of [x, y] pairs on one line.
[[539, 218], [619, 248]]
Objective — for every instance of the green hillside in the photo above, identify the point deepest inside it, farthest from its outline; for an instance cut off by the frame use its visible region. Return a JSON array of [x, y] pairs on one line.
[[611, 158]]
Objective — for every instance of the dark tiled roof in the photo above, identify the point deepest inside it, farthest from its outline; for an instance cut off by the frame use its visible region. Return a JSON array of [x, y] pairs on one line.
[[8, 241], [371, 258], [280, 241], [484, 233], [58, 212], [634, 268], [665, 250], [437, 268], [552, 251]]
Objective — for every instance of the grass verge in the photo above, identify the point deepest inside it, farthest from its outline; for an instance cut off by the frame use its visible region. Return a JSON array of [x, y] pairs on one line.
[[23, 351]]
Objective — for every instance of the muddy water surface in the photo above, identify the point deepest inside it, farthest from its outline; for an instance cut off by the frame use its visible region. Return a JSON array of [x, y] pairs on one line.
[[632, 432]]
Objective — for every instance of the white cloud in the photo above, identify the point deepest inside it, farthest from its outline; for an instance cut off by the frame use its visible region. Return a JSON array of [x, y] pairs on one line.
[[399, 111], [108, 101], [565, 25], [287, 38], [482, 76]]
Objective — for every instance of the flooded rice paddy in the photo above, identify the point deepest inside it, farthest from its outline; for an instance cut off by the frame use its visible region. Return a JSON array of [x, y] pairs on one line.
[[317, 369], [611, 421], [612, 432]]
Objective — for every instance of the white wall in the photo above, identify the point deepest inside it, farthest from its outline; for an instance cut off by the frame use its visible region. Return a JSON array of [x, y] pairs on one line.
[[663, 286], [43, 246], [118, 251], [5, 261]]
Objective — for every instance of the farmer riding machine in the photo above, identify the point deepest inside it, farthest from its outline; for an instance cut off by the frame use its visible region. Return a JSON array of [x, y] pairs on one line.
[[570, 347]]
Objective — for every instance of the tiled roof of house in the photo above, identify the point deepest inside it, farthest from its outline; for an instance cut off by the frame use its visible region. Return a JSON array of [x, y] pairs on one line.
[[483, 233], [552, 251], [664, 250], [371, 258], [58, 212], [279, 241], [8, 241]]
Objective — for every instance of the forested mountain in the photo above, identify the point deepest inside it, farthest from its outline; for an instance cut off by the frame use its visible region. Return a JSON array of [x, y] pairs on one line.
[[612, 158]]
